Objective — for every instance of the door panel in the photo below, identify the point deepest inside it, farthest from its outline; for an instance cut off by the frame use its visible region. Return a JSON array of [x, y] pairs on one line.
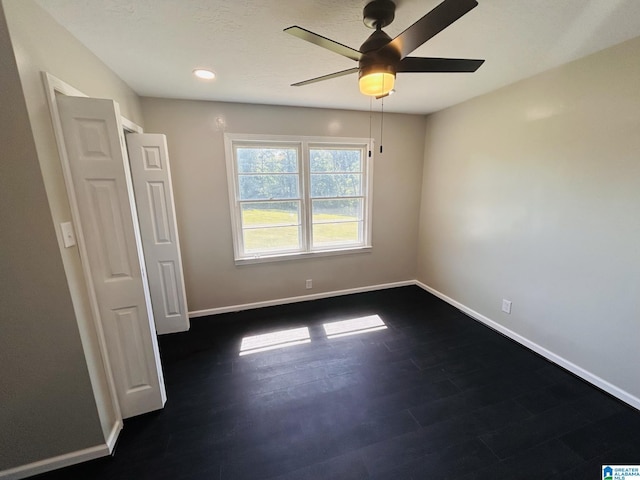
[[157, 199], [151, 174], [131, 346], [109, 225], [170, 282], [102, 186]]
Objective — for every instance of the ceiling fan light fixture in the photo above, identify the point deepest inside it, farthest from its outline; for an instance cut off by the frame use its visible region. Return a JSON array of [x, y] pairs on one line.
[[376, 82]]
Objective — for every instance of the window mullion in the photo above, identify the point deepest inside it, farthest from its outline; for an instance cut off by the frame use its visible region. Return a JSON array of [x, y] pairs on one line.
[[306, 197]]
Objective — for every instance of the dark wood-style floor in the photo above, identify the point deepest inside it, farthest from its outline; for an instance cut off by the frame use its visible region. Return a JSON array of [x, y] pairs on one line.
[[435, 395]]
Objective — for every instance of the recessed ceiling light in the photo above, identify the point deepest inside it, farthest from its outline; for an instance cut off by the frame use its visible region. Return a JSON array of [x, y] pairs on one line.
[[204, 74]]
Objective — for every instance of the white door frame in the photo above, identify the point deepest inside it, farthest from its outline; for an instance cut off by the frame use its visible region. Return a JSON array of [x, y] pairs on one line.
[[54, 85]]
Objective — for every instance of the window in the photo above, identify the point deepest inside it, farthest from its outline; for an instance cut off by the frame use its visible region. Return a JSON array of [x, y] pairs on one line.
[[294, 196]]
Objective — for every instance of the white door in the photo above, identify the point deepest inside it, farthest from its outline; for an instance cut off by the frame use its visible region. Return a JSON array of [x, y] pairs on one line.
[[101, 180], [151, 173]]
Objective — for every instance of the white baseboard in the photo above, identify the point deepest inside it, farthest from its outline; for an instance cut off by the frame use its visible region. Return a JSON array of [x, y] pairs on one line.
[[113, 435], [54, 463], [67, 459], [302, 298], [549, 355]]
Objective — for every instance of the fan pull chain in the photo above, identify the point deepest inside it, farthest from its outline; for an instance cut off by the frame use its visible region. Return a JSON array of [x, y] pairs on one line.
[[370, 114], [381, 123]]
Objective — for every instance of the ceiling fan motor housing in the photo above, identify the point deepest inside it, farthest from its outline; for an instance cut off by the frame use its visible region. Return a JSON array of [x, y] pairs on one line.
[[375, 57], [379, 13]]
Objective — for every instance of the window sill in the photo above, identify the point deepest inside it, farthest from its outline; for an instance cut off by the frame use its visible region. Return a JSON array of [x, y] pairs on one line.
[[301, 255]]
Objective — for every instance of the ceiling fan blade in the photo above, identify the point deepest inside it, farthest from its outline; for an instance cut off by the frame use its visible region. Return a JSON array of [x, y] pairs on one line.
[[326, 77], [438, 65], [324, 42], [431, 24]]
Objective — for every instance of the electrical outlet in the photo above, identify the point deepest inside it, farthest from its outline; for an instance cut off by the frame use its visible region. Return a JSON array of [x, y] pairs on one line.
[[309, 283], [506, 306]]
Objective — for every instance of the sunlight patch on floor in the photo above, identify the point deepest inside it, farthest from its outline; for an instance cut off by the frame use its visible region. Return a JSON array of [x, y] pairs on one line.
[[273, 340], [354, 326]]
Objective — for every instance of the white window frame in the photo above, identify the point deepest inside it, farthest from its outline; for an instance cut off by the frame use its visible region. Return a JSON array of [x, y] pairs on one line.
[[303, 144]]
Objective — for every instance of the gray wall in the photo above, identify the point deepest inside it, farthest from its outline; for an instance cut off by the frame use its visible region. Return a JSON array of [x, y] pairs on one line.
[[532, 193], [47, 406], [56, 371], [196, 149]]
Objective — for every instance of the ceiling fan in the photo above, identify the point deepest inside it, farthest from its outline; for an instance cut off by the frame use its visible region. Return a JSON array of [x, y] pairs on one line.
[[380, 57]]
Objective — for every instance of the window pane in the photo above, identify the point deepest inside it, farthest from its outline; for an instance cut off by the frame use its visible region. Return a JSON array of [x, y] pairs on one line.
[[337, 222], [334, 160], [336, 184], [343, 233], [272, 239], [337, 210], [270, 214], [267, 160], [265, 187], [271, 226]]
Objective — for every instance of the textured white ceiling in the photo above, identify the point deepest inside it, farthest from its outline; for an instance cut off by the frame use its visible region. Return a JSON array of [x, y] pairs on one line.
[[154, 45]]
